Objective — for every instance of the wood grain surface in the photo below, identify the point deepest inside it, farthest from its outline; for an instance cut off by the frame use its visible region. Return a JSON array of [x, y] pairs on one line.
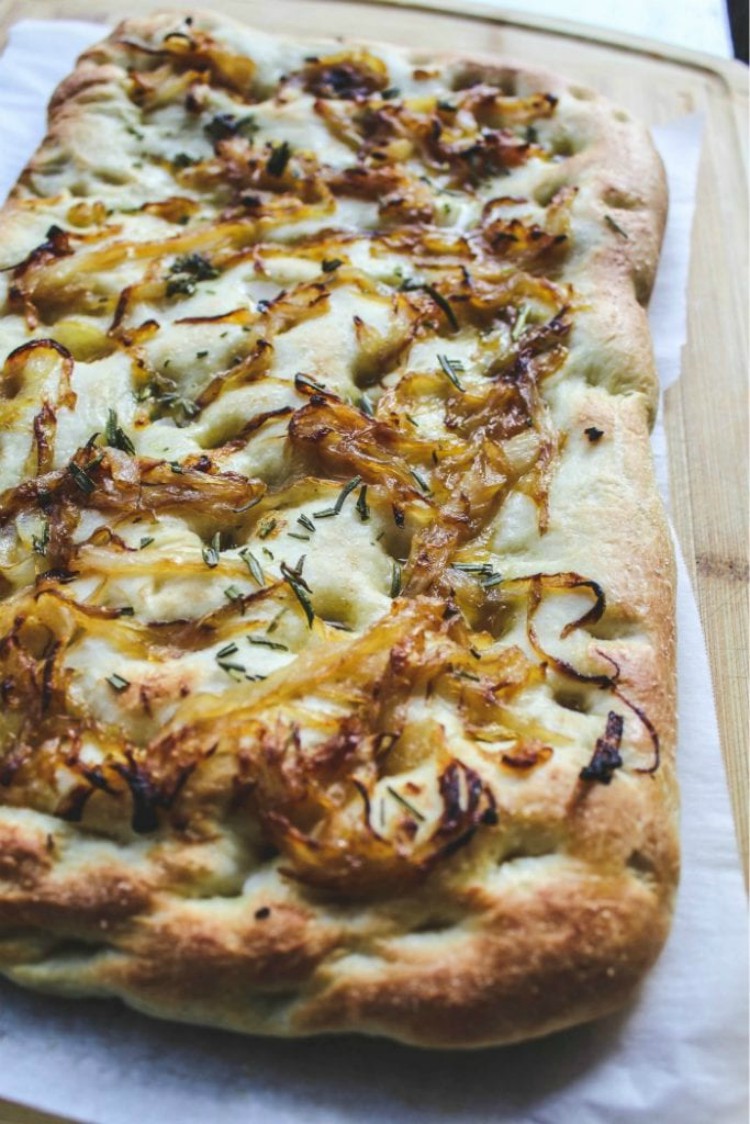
[[706, 411]]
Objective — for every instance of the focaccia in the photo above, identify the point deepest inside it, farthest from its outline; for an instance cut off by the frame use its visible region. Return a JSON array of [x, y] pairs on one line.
[[336, 631]]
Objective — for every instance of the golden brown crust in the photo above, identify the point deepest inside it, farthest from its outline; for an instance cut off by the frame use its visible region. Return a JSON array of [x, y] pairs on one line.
[[549, 898]]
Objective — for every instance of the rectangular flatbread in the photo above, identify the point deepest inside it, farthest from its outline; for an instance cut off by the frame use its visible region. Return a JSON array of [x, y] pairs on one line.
[[336, 628]]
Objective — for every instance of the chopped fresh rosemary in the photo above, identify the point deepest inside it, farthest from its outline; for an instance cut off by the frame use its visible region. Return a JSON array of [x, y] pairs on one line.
[[395, 579], [405, 803], [300, 538], [346, 491], [117, 682], [182, 408], [211, 553], [39, 543], [274, 623], [233, 593], [420, 481], [330, 265], [451, 367], [443, 304], [330, 512], [253, 566], [232, 667], [483, 571], [366, 406], [185, 273], [300, 589], [225, 125], [183, 160], [227, 650], [246, 506], [306, 523], [616, 227], [279, 158], [115, 435], [391, 92], [261, 642], [145, 541], [266, 526], [362, 507], [473, 567], [81, 478]]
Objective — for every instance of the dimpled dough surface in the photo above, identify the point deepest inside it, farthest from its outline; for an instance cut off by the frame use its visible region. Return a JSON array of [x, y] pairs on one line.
[[336, 649]]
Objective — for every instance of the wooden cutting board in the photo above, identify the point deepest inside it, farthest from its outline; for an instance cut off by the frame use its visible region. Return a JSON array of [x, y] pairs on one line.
[[706, 412]]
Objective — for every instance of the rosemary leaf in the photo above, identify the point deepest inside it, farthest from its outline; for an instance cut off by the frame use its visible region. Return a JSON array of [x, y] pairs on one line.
[[450, 368], [39, 543], [405, 803], [300, 591], [279, 158], [117, 682], [211, 553], [616, 227], [443, 304], [261, 642], [345, 491], [82, 479], [363, 509], [253, 566], [115, 435]]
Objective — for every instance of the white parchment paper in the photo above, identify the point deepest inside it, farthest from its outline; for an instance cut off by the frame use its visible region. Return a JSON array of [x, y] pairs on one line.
[[676, 1056]]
